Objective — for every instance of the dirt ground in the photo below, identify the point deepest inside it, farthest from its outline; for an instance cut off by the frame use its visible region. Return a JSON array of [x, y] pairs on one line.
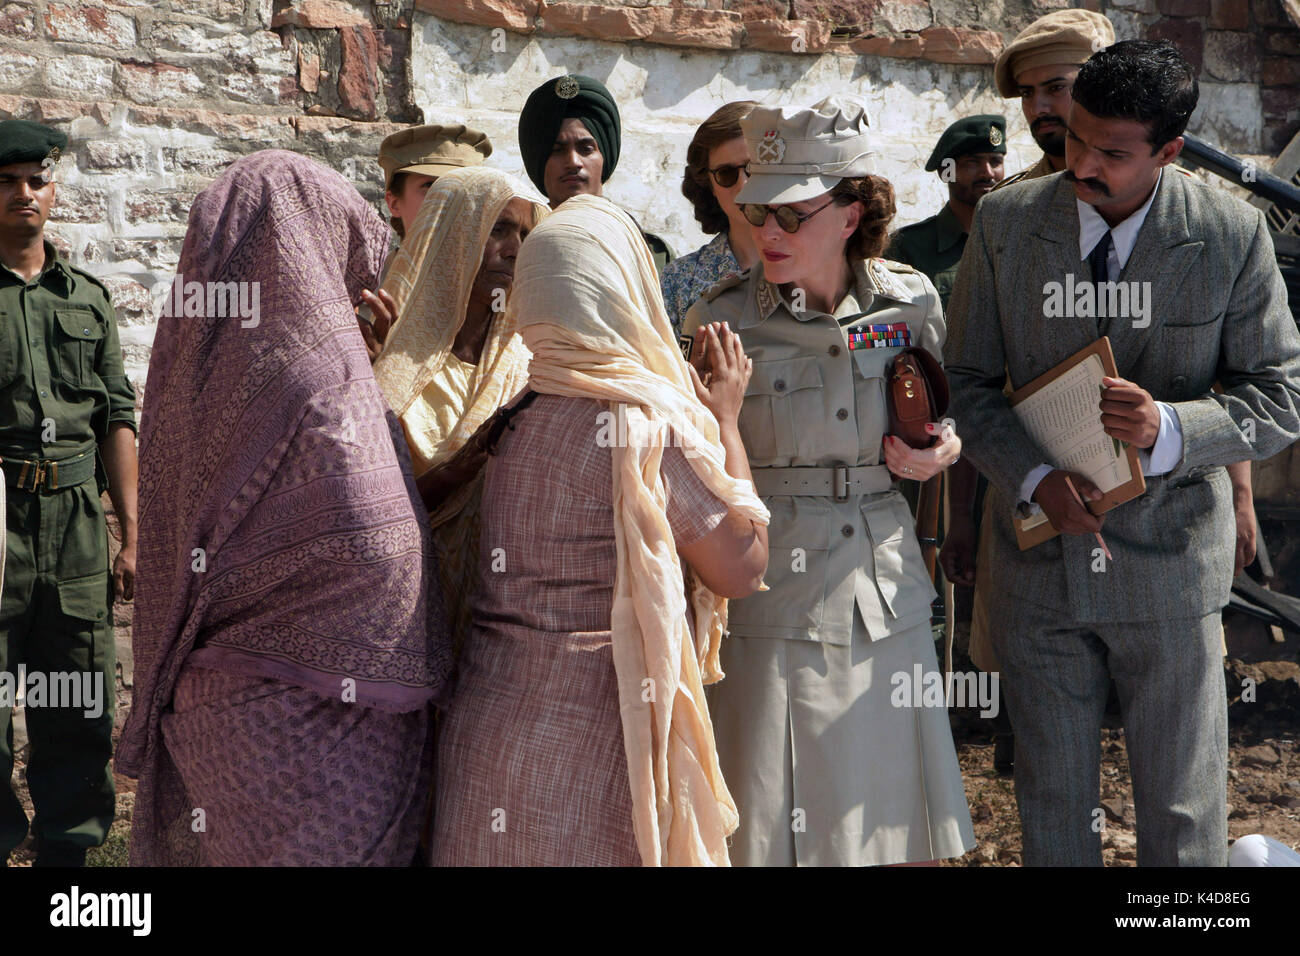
[[1263, 785]]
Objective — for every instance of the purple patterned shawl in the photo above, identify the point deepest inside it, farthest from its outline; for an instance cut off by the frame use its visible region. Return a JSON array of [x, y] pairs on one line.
[[271, 448]]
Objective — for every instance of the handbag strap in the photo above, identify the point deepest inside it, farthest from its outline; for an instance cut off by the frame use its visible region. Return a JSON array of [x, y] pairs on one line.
[[504, 419]]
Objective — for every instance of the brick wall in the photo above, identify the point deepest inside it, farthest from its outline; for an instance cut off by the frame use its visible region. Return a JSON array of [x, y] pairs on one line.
[[1248, 52]]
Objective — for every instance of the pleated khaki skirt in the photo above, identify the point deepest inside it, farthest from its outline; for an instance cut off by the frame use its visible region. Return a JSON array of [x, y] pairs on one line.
[[824, 768]]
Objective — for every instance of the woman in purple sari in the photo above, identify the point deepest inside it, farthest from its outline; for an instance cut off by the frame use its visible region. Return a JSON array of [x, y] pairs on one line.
[[287, 639]]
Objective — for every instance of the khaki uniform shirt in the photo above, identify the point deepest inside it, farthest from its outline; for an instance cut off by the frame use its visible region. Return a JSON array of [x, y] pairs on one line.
[[60, 361], [814, 402]]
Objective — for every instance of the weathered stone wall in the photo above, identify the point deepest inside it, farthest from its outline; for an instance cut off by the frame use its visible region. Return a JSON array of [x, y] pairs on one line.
[[158, 97]]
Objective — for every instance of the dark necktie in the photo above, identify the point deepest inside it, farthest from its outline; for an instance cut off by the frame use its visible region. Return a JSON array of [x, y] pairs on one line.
[[1097, 259], [1100, 266]]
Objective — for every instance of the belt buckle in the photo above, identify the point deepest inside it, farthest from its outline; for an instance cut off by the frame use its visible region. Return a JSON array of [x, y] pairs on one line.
[[840, 483], [36, 469]]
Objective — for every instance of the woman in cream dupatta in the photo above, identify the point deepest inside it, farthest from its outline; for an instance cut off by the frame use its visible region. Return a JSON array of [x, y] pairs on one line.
[[579, 732], [447, 289]]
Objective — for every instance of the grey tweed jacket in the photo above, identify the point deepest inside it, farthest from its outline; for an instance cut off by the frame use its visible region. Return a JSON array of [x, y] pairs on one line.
[[1219, 313]]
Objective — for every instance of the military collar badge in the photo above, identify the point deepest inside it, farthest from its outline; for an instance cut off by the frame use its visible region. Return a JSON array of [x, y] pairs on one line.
[[768, 298]]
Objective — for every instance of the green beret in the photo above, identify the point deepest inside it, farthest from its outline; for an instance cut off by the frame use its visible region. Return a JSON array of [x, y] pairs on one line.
[[550, 105], [986, 133], [22, 141]]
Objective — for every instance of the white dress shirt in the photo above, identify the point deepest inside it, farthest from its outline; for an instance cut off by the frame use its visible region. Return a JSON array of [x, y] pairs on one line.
[[1162, 457]]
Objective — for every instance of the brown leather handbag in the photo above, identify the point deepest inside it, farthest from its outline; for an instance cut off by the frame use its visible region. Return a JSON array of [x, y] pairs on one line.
[[916, 392]]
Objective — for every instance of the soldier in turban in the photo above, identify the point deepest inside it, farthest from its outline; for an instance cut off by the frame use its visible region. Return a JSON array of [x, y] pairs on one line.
[[570, 136]]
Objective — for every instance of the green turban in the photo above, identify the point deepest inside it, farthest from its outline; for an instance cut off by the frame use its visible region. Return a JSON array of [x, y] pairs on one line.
[[550, 105]]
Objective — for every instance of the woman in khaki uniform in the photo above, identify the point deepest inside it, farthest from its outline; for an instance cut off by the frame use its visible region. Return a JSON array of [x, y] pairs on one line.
[[831, 748]]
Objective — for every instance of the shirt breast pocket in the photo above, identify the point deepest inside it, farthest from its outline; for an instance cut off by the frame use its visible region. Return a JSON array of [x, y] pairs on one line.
[[782, 401], [80, 332], [8, 348]]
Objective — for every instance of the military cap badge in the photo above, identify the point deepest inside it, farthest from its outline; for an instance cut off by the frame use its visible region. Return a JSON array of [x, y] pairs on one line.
[[771, 149], [566, 88]]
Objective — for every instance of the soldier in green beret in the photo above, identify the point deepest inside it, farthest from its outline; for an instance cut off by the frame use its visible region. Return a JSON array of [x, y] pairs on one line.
[[570, 135], [969, 157], [67, 432]]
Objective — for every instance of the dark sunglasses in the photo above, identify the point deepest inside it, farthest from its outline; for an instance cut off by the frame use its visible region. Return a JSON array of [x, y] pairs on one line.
[[726, 176], [786, 218]]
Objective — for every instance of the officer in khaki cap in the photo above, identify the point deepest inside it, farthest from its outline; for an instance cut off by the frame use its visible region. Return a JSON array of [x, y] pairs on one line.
[[413, 158], [826, 765], [969, 158], [1039, 67]]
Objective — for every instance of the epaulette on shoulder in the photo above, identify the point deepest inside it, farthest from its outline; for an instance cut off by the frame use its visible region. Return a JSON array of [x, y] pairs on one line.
[[729, 281], [893, 266], [1009, 180], [83, 274]]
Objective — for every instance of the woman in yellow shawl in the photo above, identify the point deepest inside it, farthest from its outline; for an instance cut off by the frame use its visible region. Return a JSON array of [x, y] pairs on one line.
[[448, 363], [579, 732]]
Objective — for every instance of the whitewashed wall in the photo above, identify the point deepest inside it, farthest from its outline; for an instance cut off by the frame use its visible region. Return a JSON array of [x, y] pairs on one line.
[[664, 94]]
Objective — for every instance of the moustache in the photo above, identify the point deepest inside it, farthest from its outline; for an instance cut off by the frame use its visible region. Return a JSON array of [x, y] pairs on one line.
[[1094, 184], [1046, 119]]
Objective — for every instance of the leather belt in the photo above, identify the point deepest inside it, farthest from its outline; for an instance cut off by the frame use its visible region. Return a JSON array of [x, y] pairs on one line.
[[836, 481], [43, 474]]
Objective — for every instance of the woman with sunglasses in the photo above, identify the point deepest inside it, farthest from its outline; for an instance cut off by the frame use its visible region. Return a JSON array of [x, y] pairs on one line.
[[830, 724], [715, 172]]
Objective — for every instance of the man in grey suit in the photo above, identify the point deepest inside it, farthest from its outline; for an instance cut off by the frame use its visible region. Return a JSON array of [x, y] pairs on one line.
[[1206, 302]]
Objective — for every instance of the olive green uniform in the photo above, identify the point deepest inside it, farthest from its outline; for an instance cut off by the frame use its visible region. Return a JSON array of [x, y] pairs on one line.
[[825, 770], [660, 251], [62, 385], [933, 246]]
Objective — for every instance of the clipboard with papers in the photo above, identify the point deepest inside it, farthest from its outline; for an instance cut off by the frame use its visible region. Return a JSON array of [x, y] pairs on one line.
[[1059, 411]]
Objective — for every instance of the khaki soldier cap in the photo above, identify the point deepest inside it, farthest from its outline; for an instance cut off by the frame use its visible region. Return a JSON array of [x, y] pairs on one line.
[[1062, 38], [432, 150], [796, 154]]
